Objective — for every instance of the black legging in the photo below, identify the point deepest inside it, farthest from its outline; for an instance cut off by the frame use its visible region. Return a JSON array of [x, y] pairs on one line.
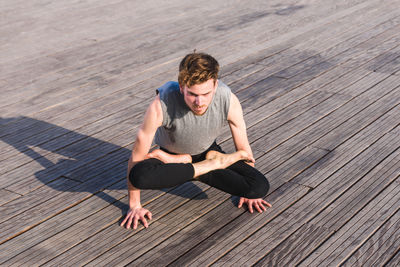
[[239, 179]]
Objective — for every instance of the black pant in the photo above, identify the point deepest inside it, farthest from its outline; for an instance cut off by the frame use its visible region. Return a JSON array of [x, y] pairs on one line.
[[239, 179]]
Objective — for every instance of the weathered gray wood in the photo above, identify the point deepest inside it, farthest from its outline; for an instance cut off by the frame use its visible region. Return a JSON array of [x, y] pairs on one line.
[[337, 214], [320, 103], [167, 219], [57, 139], [62, 201], [307, 207], [358, 229], [394, 261], [6, 196], [59, 223], [323, 126], [28, 201], [182, 25], [35, 174], [371, 248], [323, 56], [306, 238], [238, 227], [348, 150]]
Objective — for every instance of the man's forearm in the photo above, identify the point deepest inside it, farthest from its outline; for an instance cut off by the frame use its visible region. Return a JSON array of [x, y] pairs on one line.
[[133, 196]]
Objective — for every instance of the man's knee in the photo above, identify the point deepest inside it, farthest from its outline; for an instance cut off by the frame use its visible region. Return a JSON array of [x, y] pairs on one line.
[[138, 173], [259, 189]]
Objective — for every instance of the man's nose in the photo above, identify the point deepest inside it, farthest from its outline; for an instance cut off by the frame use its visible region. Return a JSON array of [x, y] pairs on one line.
[[198, 101]]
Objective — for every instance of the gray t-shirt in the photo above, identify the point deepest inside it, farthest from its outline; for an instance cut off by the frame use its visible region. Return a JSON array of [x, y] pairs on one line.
[[182, 131]]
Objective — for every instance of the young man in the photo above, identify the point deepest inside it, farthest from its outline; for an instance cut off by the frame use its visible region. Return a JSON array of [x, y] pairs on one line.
[[185, 118]]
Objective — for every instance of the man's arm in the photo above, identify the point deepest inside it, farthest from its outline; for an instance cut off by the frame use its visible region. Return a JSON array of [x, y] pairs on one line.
[[239, 135], [152, 120], [238, 126]]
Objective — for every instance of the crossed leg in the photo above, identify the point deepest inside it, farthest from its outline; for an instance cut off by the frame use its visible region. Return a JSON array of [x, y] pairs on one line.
[[214, 160]]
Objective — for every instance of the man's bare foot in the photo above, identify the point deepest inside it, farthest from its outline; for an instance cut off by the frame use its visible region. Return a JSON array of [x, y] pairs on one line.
[[169, 158], [225, 160]]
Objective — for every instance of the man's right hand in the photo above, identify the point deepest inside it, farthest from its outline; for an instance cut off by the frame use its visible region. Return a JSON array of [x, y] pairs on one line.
[[134, 215]]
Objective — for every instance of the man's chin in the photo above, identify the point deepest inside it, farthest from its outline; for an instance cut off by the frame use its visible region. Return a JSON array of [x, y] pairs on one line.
[[199, 112]]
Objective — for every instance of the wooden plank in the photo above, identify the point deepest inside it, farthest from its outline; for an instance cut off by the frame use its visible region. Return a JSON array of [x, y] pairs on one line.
[[182, 24], [121, 17], [302, 211], [331, 78], [28, 201], [308, 236], [318, 40], [360, 194], [193, 235], [358, 229], [314, 35], [394, 261], [387, 255], [341, 52], [59, 203], [309, 104], [338, 50], [325, 125], [27, 127], [24, 180], [294, 37], [263, 93], [375, 245], [294, 167], [7, 196], [348, 149], [296, 146], [335, 215], [61, 140], [59, 223], [167, 219], [297, 124]]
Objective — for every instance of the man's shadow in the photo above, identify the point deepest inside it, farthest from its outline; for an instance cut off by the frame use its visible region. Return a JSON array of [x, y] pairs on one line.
[[84, 163]]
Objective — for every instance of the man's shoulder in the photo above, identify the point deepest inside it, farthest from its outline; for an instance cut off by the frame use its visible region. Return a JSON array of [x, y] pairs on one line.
[[168, 88], [223, 88]]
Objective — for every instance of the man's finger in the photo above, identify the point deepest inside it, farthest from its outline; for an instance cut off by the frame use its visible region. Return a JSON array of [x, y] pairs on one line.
[[135, 222], [124, 221], [129, 223], [257, 207], [149, 215], [250, 207], [144, 221], [266, 203], [240, 202], [262, 206]]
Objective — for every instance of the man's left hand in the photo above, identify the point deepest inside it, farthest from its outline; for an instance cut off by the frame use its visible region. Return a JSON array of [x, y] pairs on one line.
[[258, 204]]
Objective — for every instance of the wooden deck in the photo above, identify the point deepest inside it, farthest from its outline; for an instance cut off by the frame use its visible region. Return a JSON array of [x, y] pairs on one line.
[[319, 82]]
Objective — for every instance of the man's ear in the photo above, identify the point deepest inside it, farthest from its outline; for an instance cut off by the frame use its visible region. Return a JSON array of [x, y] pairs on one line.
[[216, 84], [181, 89]]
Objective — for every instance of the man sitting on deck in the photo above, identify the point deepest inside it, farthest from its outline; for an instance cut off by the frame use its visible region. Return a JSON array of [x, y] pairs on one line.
[[185, 118]]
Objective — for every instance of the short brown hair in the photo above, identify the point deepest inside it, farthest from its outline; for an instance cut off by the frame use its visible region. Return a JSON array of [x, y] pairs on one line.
[[197, 68]]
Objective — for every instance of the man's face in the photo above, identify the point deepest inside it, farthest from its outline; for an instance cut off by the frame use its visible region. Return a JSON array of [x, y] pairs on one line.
[[199, 96]]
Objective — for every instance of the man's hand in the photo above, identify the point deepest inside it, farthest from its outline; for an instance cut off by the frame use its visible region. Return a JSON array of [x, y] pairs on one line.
[[258, 204], [135, 215]]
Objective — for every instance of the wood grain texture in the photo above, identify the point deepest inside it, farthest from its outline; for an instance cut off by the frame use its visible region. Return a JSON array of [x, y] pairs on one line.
[[319, 86]]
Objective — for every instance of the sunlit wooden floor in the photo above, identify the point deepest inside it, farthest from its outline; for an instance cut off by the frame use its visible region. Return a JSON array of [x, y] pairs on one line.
[[319, 82]]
